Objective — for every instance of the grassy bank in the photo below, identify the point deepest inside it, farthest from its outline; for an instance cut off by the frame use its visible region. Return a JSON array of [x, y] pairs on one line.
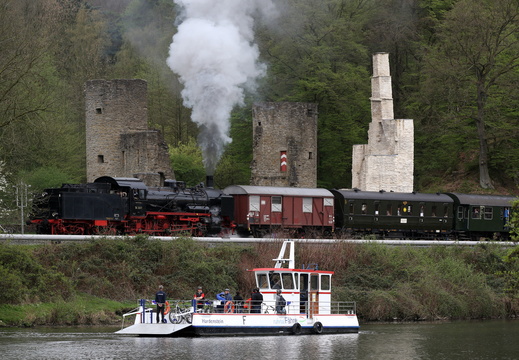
[[96, 281]]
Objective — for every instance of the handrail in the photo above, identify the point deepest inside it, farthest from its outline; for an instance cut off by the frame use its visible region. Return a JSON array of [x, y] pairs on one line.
[[307, 308]]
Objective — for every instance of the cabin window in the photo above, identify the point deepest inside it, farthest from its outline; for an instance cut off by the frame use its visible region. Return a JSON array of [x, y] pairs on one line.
[[325, 282], [288, 282], [307, 205], [262, 281], [328, 201], [364, 209], [275, 281], [489, 214], [314, 282], [254, 203], [476, 212], [276, 204], [142, 194]]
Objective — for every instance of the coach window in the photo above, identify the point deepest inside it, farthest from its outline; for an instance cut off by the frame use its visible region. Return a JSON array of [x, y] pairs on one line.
[[352, 207], [276, 204], [433, 211], [389, 210], [476, 213], [377, 206], [422, 209], [254, 203], [446, 211], [307, 205], [364, 209], [460, 212], [489, 213]]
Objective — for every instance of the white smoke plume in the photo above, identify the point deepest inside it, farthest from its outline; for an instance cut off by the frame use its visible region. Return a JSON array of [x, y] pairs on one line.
[[216, 59]]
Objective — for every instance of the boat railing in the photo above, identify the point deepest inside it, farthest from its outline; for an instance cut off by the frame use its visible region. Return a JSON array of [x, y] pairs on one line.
[[318, 307], [145, 312]]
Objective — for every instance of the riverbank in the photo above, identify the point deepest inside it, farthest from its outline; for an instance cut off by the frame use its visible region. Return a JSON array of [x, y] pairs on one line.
[[94, 282]]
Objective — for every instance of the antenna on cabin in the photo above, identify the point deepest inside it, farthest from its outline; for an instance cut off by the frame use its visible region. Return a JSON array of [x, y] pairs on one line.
[[282, 260]]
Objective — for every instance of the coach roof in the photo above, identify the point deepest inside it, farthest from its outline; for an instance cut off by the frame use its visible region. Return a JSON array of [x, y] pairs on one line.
[[276, 190]]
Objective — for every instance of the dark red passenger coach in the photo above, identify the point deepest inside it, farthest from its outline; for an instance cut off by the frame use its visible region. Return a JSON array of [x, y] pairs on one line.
[[264, 210]]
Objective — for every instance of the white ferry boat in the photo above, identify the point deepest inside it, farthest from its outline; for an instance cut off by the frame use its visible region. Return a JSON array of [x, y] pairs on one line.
[[308, 310]]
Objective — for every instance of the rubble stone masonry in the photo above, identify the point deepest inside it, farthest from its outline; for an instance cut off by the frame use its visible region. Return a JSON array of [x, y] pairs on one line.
[[119, 143], [284, 128]]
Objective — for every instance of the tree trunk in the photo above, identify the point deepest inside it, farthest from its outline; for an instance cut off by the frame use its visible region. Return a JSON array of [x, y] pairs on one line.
[[484, 177]]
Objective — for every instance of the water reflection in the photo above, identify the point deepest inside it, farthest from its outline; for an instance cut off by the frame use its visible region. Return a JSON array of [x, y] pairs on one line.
[[458, 340]]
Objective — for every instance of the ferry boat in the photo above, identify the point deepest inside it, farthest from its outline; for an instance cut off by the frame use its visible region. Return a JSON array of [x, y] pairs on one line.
[[308, 309]]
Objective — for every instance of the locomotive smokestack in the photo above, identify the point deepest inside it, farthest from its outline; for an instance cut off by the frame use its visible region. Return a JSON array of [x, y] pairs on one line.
[[209, 181]]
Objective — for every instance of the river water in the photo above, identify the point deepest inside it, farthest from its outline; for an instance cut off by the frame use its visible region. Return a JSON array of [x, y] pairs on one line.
[[447, 340]]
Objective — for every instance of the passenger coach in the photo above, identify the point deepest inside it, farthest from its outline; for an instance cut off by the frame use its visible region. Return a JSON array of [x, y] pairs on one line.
[[261, 210], [480, 215], [412, 215]]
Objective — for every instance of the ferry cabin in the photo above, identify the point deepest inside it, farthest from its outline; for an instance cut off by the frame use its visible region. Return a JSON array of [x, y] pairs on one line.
[[306, 291]]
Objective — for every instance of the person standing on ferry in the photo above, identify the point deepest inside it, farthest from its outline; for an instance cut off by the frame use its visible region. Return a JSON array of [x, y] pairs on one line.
[[160, 300], [198, 299], [256, 301]]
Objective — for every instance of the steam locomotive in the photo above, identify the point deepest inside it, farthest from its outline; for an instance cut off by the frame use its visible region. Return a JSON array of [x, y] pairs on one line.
[[127, 206]]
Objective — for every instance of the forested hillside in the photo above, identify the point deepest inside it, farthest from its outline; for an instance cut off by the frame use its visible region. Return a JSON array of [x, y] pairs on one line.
[[454, 66]]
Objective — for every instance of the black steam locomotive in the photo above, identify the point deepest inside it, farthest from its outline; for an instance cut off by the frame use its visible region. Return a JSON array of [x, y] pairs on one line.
[[127, 206]]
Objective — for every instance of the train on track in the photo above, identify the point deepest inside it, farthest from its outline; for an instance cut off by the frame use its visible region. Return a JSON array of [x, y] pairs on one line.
[[126, 206]]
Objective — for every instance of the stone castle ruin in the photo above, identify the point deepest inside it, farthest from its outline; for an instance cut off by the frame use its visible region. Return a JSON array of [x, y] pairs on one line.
[[386, 162], [118, 141], [284, 144]]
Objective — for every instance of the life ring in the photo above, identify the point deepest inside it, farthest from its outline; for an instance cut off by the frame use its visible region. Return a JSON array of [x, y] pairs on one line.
[[318, 327], [296, 329], [246, 304], [166, 310], [229, 308]]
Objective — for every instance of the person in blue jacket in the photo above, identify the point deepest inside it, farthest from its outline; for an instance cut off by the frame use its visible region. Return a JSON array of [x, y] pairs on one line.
[[226, 298], [160, 300]]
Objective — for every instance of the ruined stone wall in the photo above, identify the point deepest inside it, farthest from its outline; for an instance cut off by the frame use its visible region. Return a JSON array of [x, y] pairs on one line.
[[119, 143], [387, 161], [289, 128]]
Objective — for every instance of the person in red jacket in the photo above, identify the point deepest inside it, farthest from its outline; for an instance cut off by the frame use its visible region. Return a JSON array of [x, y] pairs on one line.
[[198, 299]]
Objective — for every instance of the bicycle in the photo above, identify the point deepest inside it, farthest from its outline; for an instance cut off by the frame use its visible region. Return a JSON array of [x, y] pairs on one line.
[[180, 313]]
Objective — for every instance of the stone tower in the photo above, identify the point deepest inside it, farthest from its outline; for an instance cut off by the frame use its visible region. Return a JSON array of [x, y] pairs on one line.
[[386, 162], [285, 144], [118, 141]]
